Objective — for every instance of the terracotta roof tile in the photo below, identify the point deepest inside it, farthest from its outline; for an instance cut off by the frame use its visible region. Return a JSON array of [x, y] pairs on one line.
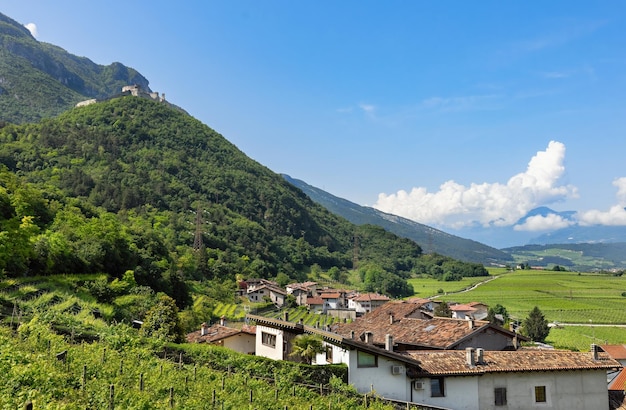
[[619, 382], [312, 300], [334, 295], [438, 333], [213, 334], [617, 352], [453, 362], [462, 308], [369, 297]]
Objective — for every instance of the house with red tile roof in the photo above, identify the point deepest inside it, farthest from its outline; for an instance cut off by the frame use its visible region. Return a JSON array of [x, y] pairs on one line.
[[472, 378], [333, 299], [411, 329], [241, 340], [366, 302], [315, 304], [523, 379], [301, 291], [274, 293]]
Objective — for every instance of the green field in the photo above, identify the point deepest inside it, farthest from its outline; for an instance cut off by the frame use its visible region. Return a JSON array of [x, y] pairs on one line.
[[565, 297], [590, 300]]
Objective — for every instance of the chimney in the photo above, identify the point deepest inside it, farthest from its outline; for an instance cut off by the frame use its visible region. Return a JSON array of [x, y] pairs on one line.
[[352, 334], [286, 316], [480, 355], [389, 343], [471, 323], [469, 356], [594, 351], [369, 338], [391, 319], [203, 329], [223, 321]]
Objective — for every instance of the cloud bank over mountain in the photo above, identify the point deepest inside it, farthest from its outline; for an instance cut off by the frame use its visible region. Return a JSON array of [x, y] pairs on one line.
[[495, 204]]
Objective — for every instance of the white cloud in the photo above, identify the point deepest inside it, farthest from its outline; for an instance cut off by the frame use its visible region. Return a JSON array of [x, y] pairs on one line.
[[544, 223], [487, 204], [615, 216], [368, 108], [620, 183], [462, 103], [32, 27]]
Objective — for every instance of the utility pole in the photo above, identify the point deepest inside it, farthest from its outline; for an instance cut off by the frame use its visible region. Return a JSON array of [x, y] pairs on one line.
[[355, 254], [197, 239]]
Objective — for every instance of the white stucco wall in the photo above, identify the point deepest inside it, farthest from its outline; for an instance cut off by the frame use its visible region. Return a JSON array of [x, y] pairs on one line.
[[244, 343], [460, 393], [380, 378], [565, 390], [276, 352]]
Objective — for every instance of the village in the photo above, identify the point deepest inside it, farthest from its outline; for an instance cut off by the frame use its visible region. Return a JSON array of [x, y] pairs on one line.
[[402, 352]]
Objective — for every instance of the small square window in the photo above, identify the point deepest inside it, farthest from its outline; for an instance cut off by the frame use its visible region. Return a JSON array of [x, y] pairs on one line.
[[540, 394], [500, 396], [436, 387], [268, 339], [366, 359], [329, 354]]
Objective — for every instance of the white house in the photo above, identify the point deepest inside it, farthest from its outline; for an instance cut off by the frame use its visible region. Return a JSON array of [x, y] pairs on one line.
[[523, 379], [365, 303], [333, 300], [301, 291], [274, 293], [467, 379]]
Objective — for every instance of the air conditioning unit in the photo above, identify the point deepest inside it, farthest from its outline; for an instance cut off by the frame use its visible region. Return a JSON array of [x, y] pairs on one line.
[[396, 369], [418, 385]]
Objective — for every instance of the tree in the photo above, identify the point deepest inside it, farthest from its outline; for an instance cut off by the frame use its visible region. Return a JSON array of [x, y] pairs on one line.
[[497, 310], [162, 321], [442, 310], [307, 346], [536, 325]]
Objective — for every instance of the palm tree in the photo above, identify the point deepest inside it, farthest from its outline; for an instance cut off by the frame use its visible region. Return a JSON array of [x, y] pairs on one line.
[[307, 346]]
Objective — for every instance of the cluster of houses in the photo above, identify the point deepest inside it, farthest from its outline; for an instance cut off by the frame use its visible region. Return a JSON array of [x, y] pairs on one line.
[[334, 302], [402, 352]]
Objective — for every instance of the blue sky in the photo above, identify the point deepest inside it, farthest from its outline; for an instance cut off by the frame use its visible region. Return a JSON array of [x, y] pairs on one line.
[[449, 113]]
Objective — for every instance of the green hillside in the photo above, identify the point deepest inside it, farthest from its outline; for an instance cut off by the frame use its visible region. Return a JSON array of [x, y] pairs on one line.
[[130, 174]]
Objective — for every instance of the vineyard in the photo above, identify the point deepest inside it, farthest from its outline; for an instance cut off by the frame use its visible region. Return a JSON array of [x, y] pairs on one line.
[[41, 368]]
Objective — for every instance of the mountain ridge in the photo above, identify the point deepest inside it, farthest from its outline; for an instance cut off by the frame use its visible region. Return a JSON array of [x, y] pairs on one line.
[[40, 80], [431, 239]]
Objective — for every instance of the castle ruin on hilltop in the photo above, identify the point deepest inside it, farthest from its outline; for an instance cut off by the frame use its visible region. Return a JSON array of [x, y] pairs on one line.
[[134, 90]]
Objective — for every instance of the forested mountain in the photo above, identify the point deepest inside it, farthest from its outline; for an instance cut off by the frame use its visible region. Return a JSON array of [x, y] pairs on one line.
[[117, 184], [431, 239], [39, 80]]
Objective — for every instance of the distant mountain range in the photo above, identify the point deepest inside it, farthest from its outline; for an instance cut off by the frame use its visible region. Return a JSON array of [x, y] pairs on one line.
[[575, 248]]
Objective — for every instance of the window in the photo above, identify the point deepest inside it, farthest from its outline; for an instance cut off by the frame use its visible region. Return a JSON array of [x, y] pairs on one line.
[[366, 359], [268, 339], [500, 396], [436, 387], [540, 394], [329, 354]]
